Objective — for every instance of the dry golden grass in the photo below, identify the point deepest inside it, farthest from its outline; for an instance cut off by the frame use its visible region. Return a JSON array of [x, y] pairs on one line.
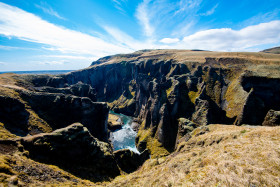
[[225, 156], [4, 133], [17, 170]]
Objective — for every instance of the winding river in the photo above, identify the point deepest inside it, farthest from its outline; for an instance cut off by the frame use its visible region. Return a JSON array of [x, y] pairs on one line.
[[125, 137]]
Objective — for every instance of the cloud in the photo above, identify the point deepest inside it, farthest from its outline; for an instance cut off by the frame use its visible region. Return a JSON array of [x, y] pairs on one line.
[[169, 40], [48, 10], [3, 63], [226, 39], [119, 5], [15, 22], [69, 57], [126, 40], [188, 6], [142, 14], [210, 12], [61, 62], [4, 47], [262, 17]]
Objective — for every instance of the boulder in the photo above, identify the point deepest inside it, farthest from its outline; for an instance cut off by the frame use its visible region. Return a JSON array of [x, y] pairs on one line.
[[130, 161], [185, 127], [114, 122], [74, 149], [272, 118]]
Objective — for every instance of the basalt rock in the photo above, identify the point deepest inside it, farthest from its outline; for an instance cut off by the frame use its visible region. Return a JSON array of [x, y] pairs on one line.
[[130, 161], [74, 149], [114, 122], [272, 118], [60, 110], [79, 89], [14, 115], [162, 86]]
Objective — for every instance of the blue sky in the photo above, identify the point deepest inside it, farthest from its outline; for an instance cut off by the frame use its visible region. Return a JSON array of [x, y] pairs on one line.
[[70, 34]]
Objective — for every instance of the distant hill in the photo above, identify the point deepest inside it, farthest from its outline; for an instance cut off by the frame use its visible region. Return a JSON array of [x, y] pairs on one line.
[[274, 50]]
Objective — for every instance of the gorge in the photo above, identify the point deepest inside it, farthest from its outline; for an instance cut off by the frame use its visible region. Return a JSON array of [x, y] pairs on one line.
[[193, 112]]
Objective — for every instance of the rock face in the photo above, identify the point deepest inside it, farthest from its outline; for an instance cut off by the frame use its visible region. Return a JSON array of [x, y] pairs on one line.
[[14, 115], [161, 86], [185, 128], [60, 110], [79, 89], [130, 161], [272, 118], [74, 149]]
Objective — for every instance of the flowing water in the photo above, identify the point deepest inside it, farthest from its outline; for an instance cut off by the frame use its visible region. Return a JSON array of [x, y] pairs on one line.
[[125, 137]]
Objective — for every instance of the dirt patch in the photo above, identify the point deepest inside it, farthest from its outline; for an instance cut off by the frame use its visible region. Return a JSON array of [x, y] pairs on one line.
[[7, 148]]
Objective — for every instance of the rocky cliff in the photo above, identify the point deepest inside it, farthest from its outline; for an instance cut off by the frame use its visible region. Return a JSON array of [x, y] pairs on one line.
[[161, 86], [173, 94]]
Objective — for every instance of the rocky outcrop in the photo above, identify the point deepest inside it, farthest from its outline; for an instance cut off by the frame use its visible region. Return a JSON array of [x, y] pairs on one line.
[[185, 127], [130, 161], [263, 95], [74, 149], [114, 122], [60, 110], [14, 115], [272, 118], [80, 89], [161, 86]]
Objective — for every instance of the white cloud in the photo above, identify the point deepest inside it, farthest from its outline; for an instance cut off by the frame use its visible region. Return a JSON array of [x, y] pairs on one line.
[[3, 63], [70, 57], [126, 40], [188, 6], [119, 5], [226, 39], [142, 14], [169, 40], [210, 12], [48, 10], [15, 22], [4, 47], [62, 62]]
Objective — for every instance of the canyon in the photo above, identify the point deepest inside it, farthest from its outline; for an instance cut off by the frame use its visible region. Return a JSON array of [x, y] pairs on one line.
[[194, 112]]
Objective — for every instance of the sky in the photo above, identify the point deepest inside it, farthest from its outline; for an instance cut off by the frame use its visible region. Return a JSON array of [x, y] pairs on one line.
[[70, 34]]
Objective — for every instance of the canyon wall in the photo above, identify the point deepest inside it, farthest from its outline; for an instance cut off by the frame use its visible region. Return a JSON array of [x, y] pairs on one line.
[[159, 87]]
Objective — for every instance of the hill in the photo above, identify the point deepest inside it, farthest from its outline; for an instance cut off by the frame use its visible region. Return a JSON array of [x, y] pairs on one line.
[[275, 50]]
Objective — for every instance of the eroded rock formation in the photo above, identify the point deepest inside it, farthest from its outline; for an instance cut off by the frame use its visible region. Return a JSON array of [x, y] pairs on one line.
[[161, 86], [74, 149]]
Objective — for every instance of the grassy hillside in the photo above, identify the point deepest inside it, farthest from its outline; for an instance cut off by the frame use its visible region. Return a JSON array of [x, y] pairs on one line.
[[275, 50], [220, 155]]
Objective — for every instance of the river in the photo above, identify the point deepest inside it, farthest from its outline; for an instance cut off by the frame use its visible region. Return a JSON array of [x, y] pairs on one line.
[[125, 137]]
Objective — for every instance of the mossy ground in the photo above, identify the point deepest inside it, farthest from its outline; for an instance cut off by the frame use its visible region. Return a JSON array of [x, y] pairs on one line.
[[153, 145], [10, 86], [5, 134]]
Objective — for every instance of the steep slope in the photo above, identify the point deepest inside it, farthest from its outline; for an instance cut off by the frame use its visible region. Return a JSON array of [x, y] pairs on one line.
[[221, 155], [161, 86]]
